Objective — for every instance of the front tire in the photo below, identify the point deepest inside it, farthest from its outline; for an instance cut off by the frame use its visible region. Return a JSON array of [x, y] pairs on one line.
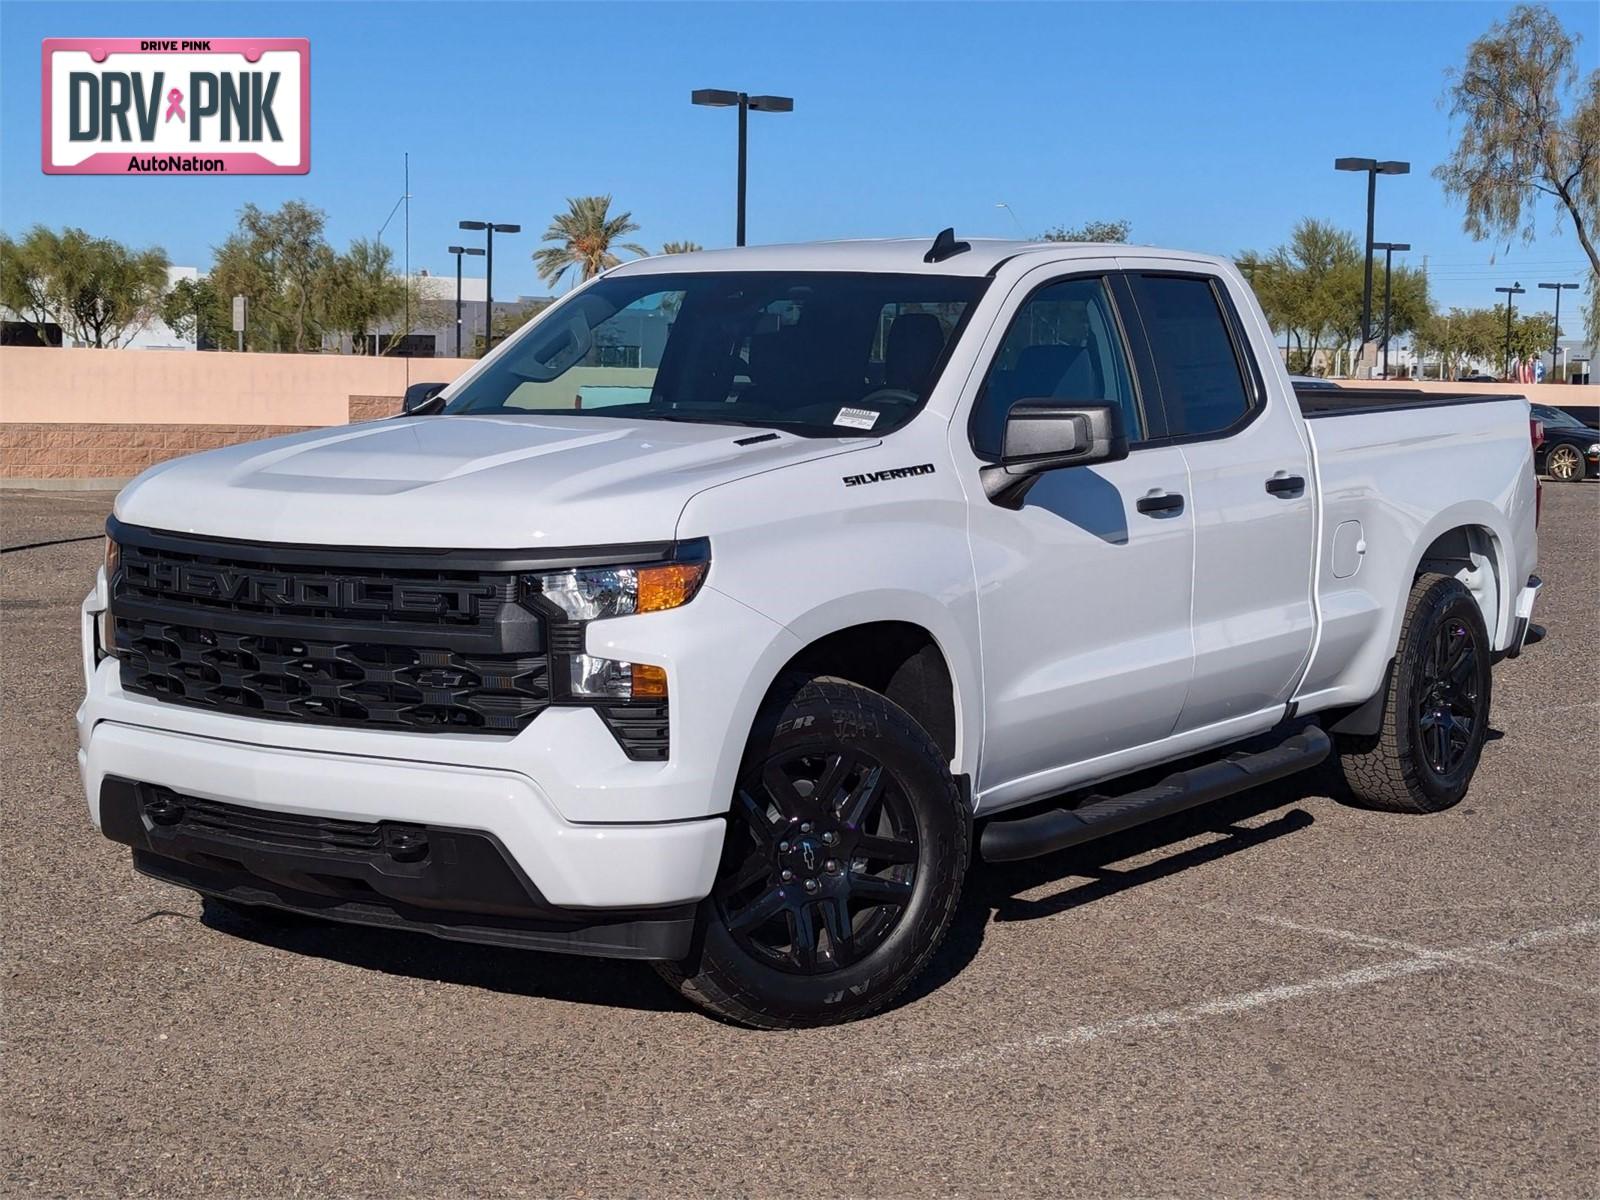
[[1564, 464], [1436, 712], [847, 846]]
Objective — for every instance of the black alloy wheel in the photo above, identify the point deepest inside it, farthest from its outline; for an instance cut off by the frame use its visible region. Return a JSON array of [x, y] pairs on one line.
[[821, 860], [847, 844], [1448, 704]]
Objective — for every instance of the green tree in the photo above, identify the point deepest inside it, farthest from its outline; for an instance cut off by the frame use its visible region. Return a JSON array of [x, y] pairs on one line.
[[359, 291], [192, 308], [1461, 338], [584, 236], [279, 262], [25, 277], [681, 247], [99, 291], [1090, 231], [1530, 133], [1312, 288], [508, 321]]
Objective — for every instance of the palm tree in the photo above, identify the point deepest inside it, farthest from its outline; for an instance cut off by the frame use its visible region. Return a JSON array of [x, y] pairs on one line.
[[584, 235], [680, 247]]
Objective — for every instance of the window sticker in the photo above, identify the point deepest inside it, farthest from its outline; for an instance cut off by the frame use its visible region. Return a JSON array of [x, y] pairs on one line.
[[856, 418]]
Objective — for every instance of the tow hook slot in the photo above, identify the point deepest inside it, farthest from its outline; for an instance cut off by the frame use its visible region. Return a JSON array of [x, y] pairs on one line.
[[405, 843]]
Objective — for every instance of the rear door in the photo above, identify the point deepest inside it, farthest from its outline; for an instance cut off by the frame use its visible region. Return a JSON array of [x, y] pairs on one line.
[[1250, 489]]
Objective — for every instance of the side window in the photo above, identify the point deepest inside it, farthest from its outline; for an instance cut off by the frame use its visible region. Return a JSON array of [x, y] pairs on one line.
[[1203, 387], [1063, 343]]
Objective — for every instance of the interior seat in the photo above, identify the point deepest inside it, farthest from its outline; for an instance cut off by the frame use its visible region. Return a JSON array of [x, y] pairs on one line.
[[913, 347]]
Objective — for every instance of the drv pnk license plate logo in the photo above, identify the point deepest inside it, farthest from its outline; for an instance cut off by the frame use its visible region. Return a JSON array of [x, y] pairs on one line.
[[170, 106]]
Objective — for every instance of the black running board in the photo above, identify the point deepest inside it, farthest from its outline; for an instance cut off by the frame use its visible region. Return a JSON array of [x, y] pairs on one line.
[[1047, 832]]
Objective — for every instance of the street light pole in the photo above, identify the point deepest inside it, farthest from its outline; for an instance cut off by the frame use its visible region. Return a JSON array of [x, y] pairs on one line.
[[458, 251], [1388, 249], [1555, 333], [489, 228], [1373, 167], [716, 98], [1514, 290]]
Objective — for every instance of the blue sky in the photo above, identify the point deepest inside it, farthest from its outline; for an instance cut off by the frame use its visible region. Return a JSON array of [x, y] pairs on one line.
[[1209, 126]]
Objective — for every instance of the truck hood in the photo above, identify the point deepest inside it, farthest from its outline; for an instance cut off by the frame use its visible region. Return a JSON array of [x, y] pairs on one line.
[[477, 482]]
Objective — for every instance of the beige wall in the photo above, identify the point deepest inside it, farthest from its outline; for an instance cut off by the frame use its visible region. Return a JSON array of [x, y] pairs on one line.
[[154, 387], [95, 418], [1565, 395]]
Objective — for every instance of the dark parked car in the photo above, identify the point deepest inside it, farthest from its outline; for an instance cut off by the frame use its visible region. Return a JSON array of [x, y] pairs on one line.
[[1571, 449], [1478, 378]]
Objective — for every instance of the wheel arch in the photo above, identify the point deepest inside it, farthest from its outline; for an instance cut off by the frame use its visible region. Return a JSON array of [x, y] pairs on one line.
[[904, 647], [1473, 551]]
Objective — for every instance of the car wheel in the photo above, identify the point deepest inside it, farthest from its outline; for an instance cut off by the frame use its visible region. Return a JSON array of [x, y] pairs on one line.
[[846, 849], [1564, 464], [1436, 715]]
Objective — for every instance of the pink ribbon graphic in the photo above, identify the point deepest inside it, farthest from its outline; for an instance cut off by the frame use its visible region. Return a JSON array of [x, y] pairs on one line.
[[175, 105]]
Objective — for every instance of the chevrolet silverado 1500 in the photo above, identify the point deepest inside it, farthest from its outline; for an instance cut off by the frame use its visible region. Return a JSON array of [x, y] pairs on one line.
[[723, 613]]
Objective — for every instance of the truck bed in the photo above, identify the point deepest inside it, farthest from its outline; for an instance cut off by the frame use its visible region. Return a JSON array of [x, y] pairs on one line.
[[1342, 401]]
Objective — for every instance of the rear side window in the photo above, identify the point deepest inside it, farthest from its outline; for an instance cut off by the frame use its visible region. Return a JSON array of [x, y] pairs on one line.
[[1203, 385], [1063, 344]]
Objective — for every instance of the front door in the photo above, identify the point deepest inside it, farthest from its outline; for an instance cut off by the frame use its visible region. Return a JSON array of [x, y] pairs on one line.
[[1083, 591]]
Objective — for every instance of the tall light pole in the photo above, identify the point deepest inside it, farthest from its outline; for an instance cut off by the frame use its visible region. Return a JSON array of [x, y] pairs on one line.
[[1388, 249], [713, 98], [458, 251], [1515, 289], [1555, 334], [489, 230], [1373, 167]]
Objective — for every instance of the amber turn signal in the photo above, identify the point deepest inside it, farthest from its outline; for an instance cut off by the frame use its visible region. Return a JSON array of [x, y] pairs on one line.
[[668, 587]]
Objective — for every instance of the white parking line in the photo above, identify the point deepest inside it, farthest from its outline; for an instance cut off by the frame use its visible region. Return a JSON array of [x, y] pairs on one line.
[[1155, 1022], [1463, 958]]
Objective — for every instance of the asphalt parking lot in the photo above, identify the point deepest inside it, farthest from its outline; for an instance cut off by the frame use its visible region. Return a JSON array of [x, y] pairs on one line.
[[1279, 995]]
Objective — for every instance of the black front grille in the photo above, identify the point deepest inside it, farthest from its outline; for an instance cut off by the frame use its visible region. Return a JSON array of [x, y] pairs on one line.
[[338, 682], [280, 633], [378, 639]]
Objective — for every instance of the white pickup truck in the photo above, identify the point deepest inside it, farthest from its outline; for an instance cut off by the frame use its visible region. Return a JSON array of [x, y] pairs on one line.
[[721, 614]]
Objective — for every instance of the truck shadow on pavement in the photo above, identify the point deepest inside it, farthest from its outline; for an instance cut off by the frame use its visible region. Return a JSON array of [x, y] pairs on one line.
[[994, 891]]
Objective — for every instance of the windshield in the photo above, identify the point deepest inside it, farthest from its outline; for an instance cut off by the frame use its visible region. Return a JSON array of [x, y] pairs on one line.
[[823, 354]]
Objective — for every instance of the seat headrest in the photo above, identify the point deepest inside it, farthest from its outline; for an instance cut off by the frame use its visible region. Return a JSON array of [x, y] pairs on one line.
[[915, 341]]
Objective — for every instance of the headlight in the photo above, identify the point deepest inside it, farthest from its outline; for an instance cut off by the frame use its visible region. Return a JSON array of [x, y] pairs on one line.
[[586, 594], [594, 593], [1595, 449], [107, 628]]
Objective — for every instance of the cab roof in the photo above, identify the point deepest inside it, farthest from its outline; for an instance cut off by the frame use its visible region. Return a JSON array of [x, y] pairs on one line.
[[891, 255]]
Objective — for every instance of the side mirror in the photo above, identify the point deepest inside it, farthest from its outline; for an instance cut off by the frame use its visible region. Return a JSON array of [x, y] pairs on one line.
[[422, 399], [1044, 434]]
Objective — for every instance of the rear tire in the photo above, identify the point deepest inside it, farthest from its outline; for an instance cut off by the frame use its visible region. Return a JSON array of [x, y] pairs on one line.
[[847, 846], [1436, 711]]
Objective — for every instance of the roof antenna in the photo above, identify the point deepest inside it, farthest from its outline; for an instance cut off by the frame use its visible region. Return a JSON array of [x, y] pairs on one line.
[[945, 246]]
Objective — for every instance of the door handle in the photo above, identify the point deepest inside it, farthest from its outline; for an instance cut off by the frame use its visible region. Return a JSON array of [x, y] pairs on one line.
[[1159, 503], [1286, 486]]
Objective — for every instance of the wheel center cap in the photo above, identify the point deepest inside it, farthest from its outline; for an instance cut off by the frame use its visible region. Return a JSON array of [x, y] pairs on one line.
[[807, 853]]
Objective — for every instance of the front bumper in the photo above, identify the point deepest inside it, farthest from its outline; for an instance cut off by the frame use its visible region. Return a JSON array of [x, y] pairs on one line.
[[453, 883], [569, 866]]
